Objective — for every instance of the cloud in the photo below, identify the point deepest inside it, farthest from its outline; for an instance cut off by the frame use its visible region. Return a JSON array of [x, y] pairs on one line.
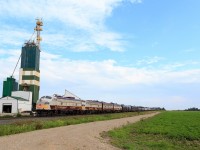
[[181, 65], [109, 39], [8, 60], [49, 56], [97, 73], [64, 18], [149, 60], [14, 37]]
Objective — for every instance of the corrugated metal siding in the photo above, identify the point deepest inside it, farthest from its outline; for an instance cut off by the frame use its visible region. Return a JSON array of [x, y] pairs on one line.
[[30, 57], [8, 86]]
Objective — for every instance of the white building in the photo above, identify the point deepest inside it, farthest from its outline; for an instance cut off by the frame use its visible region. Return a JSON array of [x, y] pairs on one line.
[[19, 101]]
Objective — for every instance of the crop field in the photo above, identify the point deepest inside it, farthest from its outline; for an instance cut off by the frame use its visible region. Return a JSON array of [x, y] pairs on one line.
[[169, 130], [31, 125]]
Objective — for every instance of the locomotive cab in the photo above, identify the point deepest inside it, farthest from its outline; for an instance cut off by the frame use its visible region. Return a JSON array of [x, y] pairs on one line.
[[43, 103]]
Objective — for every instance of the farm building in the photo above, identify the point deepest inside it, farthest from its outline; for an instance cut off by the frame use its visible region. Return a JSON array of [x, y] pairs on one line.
[[19, 101]]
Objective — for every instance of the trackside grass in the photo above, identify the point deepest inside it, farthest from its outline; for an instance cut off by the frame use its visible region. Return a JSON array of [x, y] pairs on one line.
[[177, 130], [31, 125]]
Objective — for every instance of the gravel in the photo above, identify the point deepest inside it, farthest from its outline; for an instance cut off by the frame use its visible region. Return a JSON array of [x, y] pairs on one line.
[[84, 136]]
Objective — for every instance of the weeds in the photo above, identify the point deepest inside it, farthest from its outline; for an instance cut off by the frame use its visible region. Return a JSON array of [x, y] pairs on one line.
[[31, 125], [18, 115], [38, 126]]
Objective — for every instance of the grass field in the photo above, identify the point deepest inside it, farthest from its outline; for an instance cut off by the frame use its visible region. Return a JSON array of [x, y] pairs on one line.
[[25, 126], [168, 130]]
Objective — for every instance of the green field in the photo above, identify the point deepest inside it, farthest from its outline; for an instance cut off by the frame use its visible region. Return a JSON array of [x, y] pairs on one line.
[[177, 130], [31, 125]]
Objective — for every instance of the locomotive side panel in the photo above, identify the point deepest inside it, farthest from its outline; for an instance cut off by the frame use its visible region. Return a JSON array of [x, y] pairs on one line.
[[93, 105], [117, 107], [108, 107], [61, 104]]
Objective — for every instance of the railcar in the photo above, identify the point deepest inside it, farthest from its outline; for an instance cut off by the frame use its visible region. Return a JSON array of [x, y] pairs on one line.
[[117, 107], [126, 108], [93, 106], [59, 105], [71, 104], [107, 107]]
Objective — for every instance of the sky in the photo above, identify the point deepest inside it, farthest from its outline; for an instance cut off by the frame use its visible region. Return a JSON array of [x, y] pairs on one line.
[[133, 52]]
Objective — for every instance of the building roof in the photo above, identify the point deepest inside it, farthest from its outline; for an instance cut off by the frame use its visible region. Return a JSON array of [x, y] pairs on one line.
[[13, 98], [19, 98], [8, 98]]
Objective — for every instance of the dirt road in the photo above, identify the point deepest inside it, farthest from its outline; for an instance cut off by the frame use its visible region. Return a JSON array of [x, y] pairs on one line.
[[73, 137]]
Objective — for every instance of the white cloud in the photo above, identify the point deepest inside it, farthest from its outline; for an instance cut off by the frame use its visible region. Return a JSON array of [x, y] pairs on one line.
[[178, 65], [55, 67], [8, 61], [186, 76], [149, 60], [98, 73], [11, 53], [86, 16], [48, 56], [13, 36], [109, 39]]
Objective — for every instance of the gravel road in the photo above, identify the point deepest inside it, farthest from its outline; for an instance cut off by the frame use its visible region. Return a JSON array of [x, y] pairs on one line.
[[84, 136]]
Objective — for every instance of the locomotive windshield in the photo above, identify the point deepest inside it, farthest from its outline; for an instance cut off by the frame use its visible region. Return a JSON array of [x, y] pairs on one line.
[[49, 97]]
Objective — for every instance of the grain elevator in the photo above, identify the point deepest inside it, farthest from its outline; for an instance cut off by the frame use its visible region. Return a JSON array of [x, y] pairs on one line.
[[29, 76]]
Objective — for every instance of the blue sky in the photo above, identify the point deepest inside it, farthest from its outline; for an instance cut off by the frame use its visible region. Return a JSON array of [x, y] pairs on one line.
[[138, 52]]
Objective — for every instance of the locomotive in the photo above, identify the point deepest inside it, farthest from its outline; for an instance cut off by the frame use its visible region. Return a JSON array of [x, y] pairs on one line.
[[72, 104]]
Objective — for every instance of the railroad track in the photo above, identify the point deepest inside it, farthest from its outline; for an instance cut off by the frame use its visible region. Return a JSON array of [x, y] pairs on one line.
[[13, 120]]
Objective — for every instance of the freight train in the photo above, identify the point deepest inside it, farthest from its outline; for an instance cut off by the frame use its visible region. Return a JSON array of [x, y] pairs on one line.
[[71, 104]]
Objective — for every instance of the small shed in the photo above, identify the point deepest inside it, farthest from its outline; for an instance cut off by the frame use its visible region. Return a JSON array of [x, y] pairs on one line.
[[8, 105], [19, 101]]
